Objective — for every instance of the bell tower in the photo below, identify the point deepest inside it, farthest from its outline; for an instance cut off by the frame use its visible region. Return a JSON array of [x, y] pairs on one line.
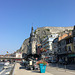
[[32, 33], [32, 42]]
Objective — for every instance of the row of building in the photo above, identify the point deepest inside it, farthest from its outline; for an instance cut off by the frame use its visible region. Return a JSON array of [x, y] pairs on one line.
[[60, 47]]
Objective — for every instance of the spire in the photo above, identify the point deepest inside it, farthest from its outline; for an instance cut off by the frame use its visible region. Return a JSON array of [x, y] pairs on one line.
[[32, 29], [32, 33]]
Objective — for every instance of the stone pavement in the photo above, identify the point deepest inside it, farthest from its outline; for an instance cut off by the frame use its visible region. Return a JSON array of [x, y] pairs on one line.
[[68, 67], [21, 71], [57, 71]]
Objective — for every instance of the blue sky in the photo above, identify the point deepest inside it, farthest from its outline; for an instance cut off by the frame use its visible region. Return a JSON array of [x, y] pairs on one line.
[[18, 16]]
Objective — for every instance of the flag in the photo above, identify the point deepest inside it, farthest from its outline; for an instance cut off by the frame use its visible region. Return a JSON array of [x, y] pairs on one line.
[[7, 51]]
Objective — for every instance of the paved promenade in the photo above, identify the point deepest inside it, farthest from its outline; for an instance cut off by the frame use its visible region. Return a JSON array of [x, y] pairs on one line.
[[21, 71], [58, 71]]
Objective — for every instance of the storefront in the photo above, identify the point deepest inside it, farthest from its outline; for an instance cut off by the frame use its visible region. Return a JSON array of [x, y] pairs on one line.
[[71, 58], [62, 57]]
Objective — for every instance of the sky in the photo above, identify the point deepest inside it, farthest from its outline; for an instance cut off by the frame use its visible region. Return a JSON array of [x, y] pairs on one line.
[[18, 16]]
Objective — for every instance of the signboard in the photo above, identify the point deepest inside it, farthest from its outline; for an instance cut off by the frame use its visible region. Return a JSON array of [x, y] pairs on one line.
[[74, 39], [71, 55], [30, 62]]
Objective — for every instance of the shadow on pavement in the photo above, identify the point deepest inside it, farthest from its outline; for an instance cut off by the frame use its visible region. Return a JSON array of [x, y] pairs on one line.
[[69, 67], [36, 71], [21, 67]]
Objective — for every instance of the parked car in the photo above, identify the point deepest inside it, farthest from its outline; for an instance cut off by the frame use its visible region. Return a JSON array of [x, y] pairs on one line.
[[35, 66], [31, 65], [28, 66], [7, 63], [23, 63]]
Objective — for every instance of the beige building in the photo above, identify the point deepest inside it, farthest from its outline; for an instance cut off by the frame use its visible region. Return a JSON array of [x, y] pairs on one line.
[[18, 55]]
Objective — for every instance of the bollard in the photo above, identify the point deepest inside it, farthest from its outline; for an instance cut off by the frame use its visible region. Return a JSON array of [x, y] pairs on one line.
[[57, 66], [65, 68]]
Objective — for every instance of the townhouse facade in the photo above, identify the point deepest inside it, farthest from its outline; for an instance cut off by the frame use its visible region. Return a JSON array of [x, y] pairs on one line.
[[66, 47], [55, 48]]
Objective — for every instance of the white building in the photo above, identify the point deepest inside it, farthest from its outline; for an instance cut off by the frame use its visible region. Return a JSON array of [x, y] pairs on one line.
[[47, 41], [47, 44], [18, 55]]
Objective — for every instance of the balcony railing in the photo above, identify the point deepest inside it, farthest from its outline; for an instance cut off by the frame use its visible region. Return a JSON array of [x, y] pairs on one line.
[[64, 52]]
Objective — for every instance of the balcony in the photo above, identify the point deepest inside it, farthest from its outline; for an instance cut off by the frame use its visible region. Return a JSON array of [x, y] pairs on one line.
[[45, 45], [62, 52]]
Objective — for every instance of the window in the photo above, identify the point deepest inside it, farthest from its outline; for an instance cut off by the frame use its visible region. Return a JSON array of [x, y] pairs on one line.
[[59, 50], [69, 48], [74, 48], [69, 40], [74, 39], [65, 48]]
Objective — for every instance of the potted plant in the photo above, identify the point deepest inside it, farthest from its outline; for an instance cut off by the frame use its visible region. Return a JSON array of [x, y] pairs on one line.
[[42, 64], [43, 50]]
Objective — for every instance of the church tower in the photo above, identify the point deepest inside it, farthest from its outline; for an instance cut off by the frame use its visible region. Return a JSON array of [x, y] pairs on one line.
[[32, 43]]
